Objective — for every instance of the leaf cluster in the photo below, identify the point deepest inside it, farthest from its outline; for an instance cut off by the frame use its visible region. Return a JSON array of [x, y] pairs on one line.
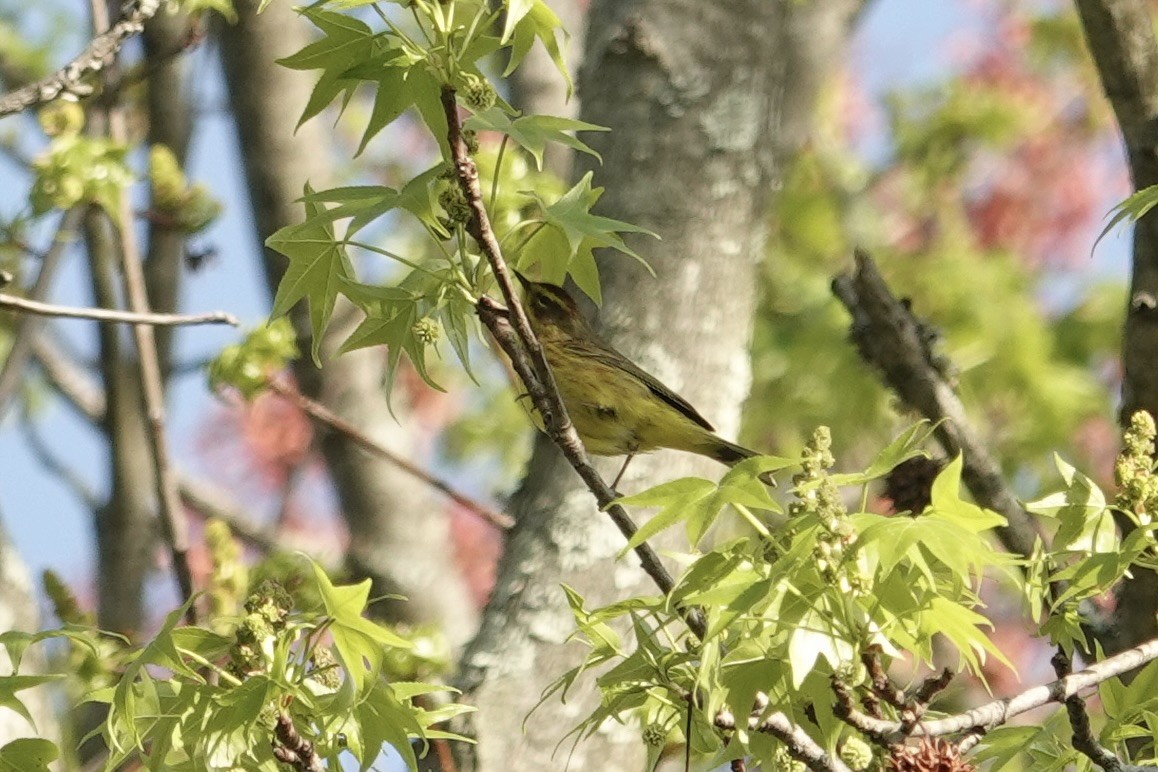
[[194, 699], [408, 67], [789, 607]]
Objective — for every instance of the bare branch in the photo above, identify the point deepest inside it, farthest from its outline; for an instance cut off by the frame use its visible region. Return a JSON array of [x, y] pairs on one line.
[[211, 504], [66, 81], [28, 326], [1000, 711], [889, 336], [796, 740], [116, 317], [512, 330], [324, 415], [69, 379]]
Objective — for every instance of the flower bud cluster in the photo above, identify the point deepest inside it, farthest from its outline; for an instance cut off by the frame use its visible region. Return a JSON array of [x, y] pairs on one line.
[[1134, 469], [817, 493]]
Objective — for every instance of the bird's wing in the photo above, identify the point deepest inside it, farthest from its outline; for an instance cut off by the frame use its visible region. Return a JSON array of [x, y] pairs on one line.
[[612, 358]]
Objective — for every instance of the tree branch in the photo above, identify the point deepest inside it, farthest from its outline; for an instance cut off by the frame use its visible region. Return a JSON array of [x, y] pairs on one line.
[[998, 712], [69, 379], [291, 748], [324, 415], [799, 744], [512, 330], [67, 80], [27, 327], [890, 337], [112, 316], [172, 515], [1083, 738]]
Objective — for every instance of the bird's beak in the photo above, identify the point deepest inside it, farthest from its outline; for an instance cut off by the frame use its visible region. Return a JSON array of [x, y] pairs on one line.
[[522, 280]]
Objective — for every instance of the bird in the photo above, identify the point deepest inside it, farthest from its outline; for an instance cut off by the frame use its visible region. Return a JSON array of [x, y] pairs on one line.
[[617, 407]]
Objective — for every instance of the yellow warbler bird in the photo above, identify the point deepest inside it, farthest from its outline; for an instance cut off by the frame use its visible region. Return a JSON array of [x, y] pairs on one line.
[[617, 408]]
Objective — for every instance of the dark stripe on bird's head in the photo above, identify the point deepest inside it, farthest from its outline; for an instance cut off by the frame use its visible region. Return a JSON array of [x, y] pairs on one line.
[[549, 304]]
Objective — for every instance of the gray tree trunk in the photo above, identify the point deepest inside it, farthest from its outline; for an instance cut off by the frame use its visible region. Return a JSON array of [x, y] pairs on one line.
[[399, 530], [704, 100], [1120, 36]]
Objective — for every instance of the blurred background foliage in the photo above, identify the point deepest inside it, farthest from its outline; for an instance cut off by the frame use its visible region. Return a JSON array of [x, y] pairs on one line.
[[980, 205]]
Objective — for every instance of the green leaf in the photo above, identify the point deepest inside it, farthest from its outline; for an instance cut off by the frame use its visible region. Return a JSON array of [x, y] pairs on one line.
[[1085, 522], [570, 217], [601, 635], [814, 638], [10, 685], [946, 501], [318, 266], [362, 644], [526, 21], [398, 85], [687, 499], [1135, 206], [28, 754], [346, 42], [533, 132], [366, 203], [389, 322], [961, 627], [385, 720], [907, 445], [457, 315]]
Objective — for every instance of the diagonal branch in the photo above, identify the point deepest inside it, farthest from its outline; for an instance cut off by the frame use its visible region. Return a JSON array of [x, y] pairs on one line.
[[67, 80], [1083, 737], [512, 330], [68, 378], [27, 327], [802, 747], [890, 337], [324, 415]]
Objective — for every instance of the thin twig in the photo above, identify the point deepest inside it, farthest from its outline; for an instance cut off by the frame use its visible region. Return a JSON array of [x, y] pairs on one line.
[[324, 415], [172, 514], [67, 80], [28, 326], [889, 336], [209, 503], [512, 330], [147, 318], [55, 466]]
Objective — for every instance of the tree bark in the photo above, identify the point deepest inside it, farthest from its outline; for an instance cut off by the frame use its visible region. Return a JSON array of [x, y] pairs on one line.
[[399, 530], [1120, 36], [704, 100]]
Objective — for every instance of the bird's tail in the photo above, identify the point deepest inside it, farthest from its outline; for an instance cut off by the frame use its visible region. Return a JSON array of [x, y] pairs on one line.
[[731, 454]]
